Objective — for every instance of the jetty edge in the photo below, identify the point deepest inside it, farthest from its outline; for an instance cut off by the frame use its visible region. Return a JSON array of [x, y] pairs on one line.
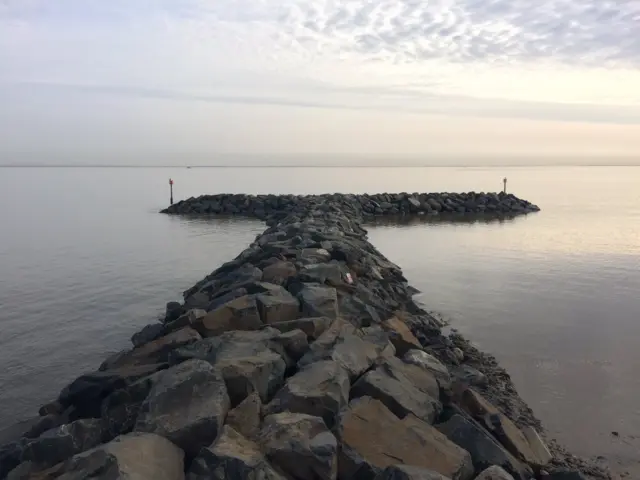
[[305, 357]]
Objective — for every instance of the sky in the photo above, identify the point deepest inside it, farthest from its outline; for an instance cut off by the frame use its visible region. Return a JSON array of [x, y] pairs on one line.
[[223, 81]]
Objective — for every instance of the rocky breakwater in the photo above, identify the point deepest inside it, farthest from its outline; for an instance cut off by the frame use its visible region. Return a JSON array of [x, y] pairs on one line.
[[304, 358], [366, 205]]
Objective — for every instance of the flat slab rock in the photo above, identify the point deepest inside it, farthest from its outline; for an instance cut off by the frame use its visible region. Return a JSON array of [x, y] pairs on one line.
[[372, 439]]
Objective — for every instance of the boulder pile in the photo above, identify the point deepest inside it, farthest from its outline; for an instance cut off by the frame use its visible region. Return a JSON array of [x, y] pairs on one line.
[[366, 205], [304, 358]]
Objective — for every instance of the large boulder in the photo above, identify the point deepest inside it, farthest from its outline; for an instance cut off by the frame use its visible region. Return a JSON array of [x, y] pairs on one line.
[[134, 456], [372, 439], [341, 344], [403, 388], [483, 448], [147, 334], [189, 319], [87, 392], [407, 472], [278, 272], [232, 456], [400, 335], [494, 473], [187, 405], [318, 301], [320, 389], [278, 306], [300, 445], [429, 363], [245, 418], [155, 351], [238, 314], [313, 327], [63, 442], [502, 427]]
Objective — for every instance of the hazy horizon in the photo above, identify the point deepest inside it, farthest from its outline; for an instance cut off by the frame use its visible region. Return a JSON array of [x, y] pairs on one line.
[[189, 82]]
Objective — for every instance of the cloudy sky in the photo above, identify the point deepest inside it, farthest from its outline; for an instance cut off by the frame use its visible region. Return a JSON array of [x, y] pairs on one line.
[[195, 81]]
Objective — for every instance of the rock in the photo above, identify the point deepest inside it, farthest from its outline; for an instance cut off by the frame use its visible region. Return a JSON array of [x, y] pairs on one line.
[[484, 449], [378, 337], [372, 439], [220, 299], [502, 427], [174, 310], [51, 408], [120, 410], [187, 405], [320, 389], [147, 334], [245, 418], [400, 335], [189, 319], [403, 388], [134, 456], [323, 273], [566, 475], [406, 472], [232, 457], [87, 392], [340, 344], [318, 301], [469, 375], [156, 351], [238, 314], [538, 446], [458, 354], [300, 445], [279, 272], [294, 343], [414, 202], [313, 327], [281, 307], [63, 442], [494, 473], [430, 363], [434, 204]]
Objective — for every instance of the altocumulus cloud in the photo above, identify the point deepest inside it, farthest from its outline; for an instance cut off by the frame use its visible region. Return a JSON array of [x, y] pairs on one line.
[[341, 52]]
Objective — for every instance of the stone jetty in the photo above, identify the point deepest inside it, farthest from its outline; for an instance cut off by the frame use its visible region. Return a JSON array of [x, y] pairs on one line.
[[304, 358]]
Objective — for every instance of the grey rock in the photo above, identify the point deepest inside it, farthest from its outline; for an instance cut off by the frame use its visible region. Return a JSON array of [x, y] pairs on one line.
[[340, 344], [238, 314], [403, 388], [278, 307], [245, 418], [279, 272], [320, 389], [220, 300], [494, 473], [300, 445], [189, 319], [484, 449], [407, 472], [313, 327], [566, 475], [430, 363], [147, 334], [323, 273], [63, 442], [469, 375], [318, 301], [294, 342], [232, 456], [187, 405]]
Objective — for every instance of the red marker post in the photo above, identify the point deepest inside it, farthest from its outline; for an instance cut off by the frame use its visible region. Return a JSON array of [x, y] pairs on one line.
[[171, 190]]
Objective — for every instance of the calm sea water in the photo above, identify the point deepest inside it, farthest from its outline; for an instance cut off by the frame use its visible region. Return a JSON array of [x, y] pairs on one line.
[[86, 260]]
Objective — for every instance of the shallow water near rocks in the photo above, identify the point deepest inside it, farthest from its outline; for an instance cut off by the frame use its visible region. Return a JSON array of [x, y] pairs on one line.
[[86, 260]]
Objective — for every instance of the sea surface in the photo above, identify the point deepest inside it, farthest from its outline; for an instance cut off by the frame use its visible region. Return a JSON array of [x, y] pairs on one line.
[[86, 260]]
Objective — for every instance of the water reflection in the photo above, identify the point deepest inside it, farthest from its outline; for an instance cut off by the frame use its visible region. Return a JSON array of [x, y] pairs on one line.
[[437, 220]]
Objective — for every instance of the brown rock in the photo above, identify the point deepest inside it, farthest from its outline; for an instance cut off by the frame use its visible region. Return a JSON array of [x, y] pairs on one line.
[[300, 445], [502, 427], [401, 336], [373, 439], [278, 272], [245, 418], [238, 314], [279, 307], [313, 327], [156, 351]]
